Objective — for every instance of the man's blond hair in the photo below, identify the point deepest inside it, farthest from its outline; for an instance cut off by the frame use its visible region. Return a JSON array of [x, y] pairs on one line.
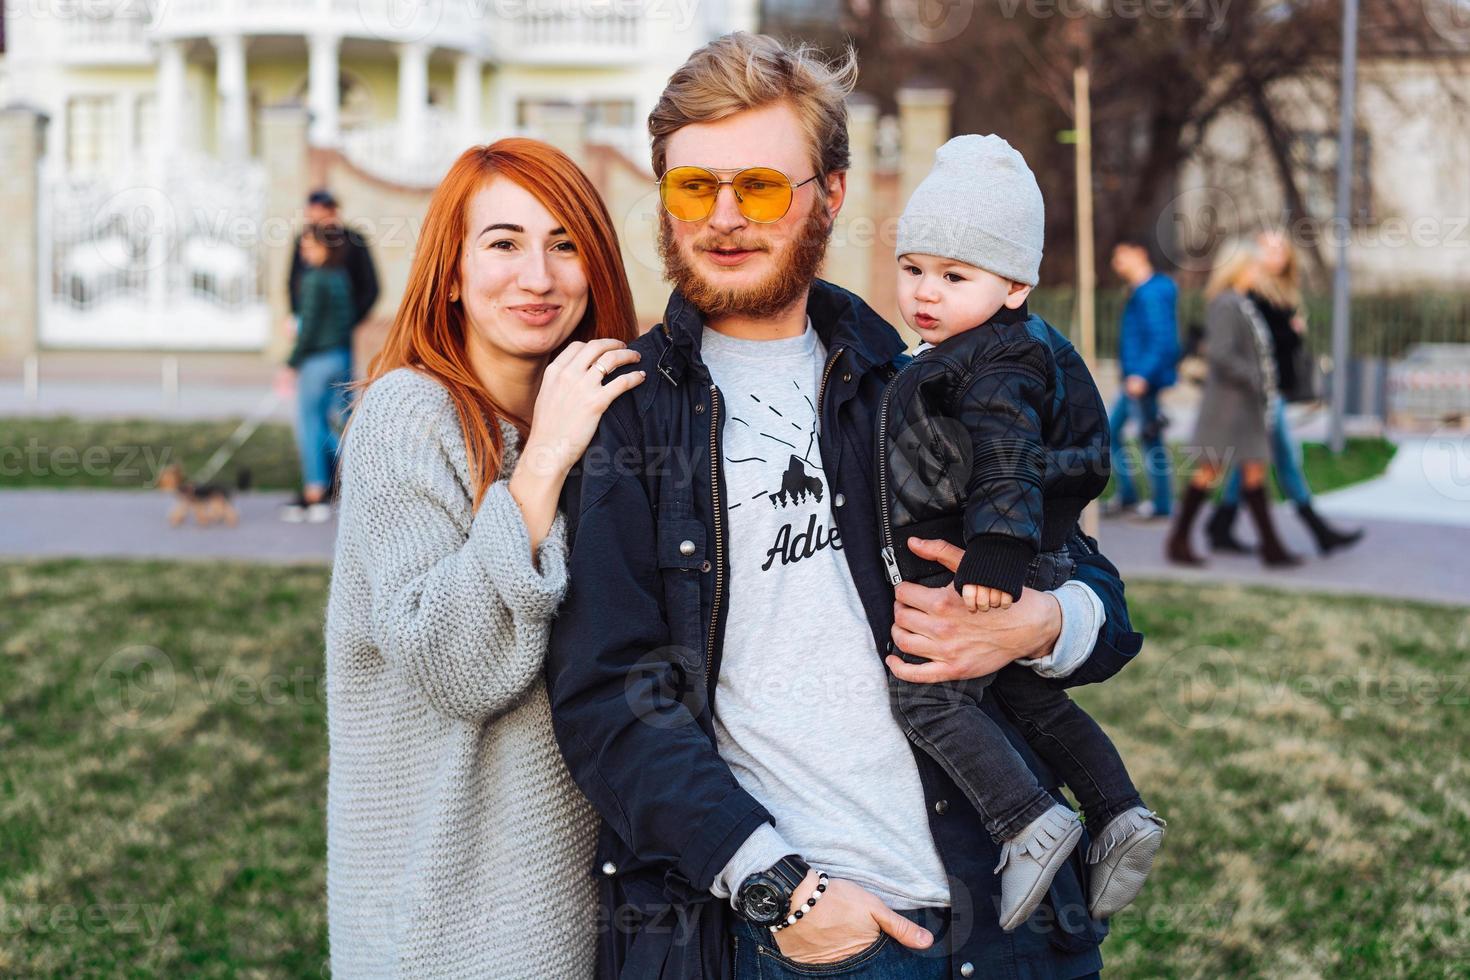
[[743, 71]]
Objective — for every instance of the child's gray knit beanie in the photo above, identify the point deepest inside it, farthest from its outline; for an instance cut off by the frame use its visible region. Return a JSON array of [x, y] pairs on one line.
[[979, 205]]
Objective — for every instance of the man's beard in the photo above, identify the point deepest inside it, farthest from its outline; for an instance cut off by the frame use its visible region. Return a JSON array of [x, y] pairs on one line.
[[793, 275]]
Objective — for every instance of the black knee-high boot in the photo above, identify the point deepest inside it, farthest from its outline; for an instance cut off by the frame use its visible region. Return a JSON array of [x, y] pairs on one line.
[[1273, 552], [1178, 549], [1221, 530], [1327, 536]]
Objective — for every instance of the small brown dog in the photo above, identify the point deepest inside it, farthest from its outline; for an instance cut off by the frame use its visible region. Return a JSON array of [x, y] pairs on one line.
[[208, 502]]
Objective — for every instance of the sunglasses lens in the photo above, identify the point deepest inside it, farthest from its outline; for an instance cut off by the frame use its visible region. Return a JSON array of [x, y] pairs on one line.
[[764, 194], [689, 192]]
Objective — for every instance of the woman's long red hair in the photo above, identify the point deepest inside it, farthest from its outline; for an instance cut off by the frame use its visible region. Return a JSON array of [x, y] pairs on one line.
[[428, 332]]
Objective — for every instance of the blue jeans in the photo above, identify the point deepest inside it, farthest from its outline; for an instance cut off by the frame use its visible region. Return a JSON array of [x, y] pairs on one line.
[[757, 957], [321, 409], [1286, 457], [1145, 411]]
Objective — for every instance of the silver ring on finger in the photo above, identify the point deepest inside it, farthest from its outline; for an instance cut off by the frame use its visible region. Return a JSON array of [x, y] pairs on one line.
[[601, 368]]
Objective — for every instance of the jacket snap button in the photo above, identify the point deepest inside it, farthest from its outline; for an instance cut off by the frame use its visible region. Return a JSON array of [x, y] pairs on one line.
[[686, 548], [846, 376], [705, 566], [941, 806], [699, 408], [838, 500], [967, 970], [609, 869]]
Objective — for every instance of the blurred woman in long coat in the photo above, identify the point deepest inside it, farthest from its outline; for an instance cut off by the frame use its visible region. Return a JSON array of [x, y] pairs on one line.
[[1234, 415]]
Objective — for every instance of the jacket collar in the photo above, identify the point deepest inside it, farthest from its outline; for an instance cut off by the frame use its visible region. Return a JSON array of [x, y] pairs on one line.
[[839, 317], [1006, 315]]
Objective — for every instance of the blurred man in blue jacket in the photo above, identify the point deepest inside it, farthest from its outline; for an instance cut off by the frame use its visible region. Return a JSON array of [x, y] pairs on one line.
[[1148, 350]]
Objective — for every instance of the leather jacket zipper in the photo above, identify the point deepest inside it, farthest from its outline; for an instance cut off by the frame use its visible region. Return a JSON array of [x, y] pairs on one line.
[[885, 519]]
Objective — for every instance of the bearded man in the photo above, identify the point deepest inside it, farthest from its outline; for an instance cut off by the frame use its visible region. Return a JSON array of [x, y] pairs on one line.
[[718, 672]]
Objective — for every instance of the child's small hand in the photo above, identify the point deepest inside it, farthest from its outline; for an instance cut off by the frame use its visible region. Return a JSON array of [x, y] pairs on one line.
[[980, 599], [971, 595]]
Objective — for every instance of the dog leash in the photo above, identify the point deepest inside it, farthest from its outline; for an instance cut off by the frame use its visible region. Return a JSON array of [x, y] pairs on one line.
[[238, 438]]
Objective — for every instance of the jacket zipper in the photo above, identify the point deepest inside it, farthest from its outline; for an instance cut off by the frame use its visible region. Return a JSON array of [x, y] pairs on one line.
[[890, 559], [714, 487], [827, 373]]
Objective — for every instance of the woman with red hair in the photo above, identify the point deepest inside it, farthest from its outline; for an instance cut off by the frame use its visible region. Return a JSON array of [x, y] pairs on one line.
[[457, 844]]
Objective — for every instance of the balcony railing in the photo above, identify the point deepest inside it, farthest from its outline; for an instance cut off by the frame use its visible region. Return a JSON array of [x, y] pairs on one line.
[[555, 37], [378, 148], [536, 35], [456, 24], [117, 36]]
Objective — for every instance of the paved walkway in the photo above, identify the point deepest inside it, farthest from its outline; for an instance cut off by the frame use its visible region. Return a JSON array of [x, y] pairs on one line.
[[1417, 516], [134, 524], [1395, 559], [139, 400]]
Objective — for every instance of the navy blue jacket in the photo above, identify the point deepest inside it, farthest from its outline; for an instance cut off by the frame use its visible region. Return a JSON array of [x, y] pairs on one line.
[[635, 654], [1149, 342]]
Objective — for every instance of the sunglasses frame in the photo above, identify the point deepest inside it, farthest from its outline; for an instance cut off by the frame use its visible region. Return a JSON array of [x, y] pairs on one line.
[[721, 182]]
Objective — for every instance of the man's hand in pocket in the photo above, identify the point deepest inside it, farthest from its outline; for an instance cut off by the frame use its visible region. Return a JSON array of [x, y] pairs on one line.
[[844, 922]]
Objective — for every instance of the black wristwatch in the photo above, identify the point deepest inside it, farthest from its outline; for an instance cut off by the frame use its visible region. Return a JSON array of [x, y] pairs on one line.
[[765, 897]]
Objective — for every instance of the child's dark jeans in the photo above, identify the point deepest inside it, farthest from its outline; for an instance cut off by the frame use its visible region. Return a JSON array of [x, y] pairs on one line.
[[945, 720]]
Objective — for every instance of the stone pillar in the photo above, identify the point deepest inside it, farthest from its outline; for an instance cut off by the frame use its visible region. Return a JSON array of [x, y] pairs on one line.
[[923, 122], [22, 142], [849, 259], [170, 81], [125, 110], [323, 79], [563, 125], [283, 151], [234, 139], [413, 97], [468, 88]]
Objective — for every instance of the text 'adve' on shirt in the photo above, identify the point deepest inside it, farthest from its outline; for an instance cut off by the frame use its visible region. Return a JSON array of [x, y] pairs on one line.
[[802, 712]]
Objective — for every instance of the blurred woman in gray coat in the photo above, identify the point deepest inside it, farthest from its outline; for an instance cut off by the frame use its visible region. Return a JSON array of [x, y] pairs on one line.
[[1234, 415]]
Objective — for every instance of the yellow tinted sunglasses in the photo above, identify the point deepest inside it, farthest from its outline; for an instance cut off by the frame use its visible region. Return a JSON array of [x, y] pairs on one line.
[[763, 194]]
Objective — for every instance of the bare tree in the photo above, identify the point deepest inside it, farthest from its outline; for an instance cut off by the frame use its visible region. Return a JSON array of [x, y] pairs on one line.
[[1162, 72]]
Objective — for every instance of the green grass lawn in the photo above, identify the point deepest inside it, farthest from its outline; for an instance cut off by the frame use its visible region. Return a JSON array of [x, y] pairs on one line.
[[163, 762], [130, 453]]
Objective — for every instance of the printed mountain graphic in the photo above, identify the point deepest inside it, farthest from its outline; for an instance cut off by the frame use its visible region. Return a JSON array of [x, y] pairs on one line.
[[795, 485]]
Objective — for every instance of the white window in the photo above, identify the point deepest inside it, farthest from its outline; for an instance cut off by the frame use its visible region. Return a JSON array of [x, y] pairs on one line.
[[91, 132]]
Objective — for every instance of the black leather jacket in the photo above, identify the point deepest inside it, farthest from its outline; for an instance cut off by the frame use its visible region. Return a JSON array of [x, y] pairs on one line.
[[995, 440]]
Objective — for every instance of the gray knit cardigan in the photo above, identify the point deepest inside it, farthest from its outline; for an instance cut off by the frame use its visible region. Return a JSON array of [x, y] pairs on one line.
[[457, 843]]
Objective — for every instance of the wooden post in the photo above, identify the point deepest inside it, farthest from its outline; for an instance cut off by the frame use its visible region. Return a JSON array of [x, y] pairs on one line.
[[1086, 265]]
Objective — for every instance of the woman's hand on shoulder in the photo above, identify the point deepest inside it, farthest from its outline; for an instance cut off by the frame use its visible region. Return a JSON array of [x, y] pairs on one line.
[[571, 402]]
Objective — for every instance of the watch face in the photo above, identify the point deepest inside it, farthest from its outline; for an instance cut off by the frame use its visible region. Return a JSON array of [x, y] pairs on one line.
[[761, 904]]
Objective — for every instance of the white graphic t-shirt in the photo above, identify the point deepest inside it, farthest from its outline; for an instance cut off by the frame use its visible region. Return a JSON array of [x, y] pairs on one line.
[[801, 706]]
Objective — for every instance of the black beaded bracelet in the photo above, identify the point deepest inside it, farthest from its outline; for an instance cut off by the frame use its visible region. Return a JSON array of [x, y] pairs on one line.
[[816, 896]]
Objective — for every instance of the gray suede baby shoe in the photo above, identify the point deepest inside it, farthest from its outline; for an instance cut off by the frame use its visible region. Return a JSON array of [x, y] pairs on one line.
[[1031, 859], [1121, 858]]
